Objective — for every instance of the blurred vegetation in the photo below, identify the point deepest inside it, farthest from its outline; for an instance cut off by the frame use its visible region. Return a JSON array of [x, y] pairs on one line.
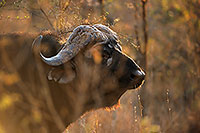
[[165, 41]]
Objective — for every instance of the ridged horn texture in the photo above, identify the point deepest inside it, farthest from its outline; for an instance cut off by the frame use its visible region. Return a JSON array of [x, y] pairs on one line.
[[81, 36]]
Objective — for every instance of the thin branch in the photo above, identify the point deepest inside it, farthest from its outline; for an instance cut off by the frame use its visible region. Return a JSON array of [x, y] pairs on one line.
[[143, 92], [101, 2], [135, 24], [144, 2], [47, 18], [130, 39]]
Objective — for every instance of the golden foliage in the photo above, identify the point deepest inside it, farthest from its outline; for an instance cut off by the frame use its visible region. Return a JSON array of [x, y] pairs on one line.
[[36, 115], [9, 79], [7, 100], [1, 129], [147, 126]]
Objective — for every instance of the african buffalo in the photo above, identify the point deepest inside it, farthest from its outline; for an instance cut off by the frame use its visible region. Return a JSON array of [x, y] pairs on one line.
[[45, 86]]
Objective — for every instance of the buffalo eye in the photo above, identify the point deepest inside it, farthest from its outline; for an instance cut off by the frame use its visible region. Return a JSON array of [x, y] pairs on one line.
[[105, 55]]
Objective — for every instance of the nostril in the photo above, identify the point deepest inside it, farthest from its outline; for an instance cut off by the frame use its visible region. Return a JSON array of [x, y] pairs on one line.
[[138, 74], [132, 76]]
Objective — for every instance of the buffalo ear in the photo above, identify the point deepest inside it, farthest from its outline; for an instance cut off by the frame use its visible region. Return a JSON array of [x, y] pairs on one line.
[[61, 76]]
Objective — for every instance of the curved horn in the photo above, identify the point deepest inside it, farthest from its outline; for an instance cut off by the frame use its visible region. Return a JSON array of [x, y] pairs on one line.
[[36, 43], [80, 37]]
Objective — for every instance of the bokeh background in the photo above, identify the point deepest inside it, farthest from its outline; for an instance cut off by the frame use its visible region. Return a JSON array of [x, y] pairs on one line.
[[163, 36]]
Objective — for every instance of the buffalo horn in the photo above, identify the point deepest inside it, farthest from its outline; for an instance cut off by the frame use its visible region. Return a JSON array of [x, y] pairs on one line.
[[80, 37]]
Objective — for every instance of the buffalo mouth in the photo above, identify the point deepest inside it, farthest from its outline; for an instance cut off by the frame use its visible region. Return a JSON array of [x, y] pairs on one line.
[[136, 84]]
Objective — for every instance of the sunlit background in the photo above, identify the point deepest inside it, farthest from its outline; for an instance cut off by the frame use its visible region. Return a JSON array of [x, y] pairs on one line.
[[163, 36]]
